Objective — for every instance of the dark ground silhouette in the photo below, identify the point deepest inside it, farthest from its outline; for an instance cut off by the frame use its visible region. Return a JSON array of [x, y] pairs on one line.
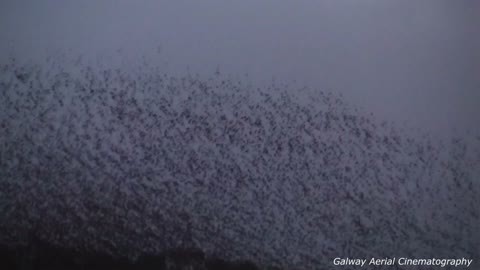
[[42, 255]]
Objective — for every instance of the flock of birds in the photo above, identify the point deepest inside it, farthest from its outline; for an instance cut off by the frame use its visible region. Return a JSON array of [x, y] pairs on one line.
[[131, 163]]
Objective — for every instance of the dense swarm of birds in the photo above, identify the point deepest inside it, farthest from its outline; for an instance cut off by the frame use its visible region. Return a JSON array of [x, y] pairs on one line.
[[131, 163]]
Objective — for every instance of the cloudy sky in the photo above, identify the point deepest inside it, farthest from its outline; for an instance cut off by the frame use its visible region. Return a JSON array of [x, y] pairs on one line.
[[408, 61]]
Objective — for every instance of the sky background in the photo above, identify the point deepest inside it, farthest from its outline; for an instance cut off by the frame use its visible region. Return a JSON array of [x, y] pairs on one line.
[[414, 62]]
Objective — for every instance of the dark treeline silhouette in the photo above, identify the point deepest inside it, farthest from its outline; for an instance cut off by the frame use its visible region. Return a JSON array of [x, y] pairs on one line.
[[132, 163]]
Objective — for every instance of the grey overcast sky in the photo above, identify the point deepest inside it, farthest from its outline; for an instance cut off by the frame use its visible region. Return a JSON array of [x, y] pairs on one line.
[[405, 60]]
